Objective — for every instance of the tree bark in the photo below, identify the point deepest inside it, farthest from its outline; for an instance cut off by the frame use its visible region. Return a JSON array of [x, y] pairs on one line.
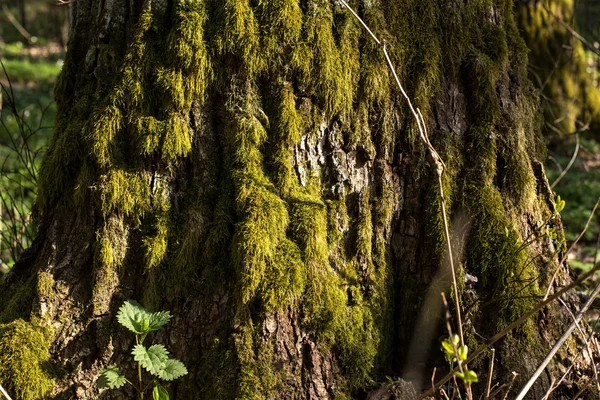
[[251, 167]]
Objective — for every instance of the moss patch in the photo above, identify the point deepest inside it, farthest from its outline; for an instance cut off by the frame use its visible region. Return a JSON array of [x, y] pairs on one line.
[[24, 354]]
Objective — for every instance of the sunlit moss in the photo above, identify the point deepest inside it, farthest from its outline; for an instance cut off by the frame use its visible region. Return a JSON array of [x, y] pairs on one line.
[[24, 355]]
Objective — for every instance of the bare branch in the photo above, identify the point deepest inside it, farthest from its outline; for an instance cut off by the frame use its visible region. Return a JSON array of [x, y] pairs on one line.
[[558, 344], [564, 171]]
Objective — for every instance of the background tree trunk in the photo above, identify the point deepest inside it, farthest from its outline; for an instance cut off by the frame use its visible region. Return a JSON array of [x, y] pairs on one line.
[[250, 166], [559, 63]]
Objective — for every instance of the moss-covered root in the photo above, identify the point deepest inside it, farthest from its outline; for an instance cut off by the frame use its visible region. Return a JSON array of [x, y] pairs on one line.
[[24, 352]]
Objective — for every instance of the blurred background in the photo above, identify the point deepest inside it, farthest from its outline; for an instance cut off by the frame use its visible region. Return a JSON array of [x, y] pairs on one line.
[[33, 35]]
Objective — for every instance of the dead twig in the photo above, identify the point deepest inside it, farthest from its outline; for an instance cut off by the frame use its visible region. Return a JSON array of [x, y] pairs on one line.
[[461, 366], [568, 167], [437, 162], [558, 344], [572, 31], [11, 18], [518, 322], [4, 393], [490, 373], [510, 385], [586, 342], [563, 259]]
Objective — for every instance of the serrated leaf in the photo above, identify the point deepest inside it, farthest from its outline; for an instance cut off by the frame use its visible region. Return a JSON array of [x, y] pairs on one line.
[[134, 317], [152, 359], [139, 320], [111, 379], [160, 393], [173, 369], [158, 320]]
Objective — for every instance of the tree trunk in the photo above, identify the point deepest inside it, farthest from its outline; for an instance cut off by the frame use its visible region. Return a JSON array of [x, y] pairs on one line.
[[559, 64], [252, 167]]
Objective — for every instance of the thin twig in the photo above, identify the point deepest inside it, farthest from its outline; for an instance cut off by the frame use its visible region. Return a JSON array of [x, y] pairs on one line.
[[583, 389], [490, 373], [451, 335], [4, 393], [558, 344], [518, 322], [553, 385], [438, 163], [586, 342], [443, 392], [16, 23], [560, 168], [573, 32], [510, 385], [563, 259], [564, 171]]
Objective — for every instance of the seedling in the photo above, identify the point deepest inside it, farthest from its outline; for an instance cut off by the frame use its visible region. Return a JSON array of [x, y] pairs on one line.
[[154, 359]]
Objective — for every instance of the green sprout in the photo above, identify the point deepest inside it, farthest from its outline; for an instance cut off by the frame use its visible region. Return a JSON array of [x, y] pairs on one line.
[[460, 355]]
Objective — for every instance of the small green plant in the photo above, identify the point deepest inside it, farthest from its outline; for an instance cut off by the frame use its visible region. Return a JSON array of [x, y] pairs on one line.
[[457, 353], [154, 359]]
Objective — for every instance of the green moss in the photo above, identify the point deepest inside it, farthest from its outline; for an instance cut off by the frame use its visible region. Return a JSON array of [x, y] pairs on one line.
[[333, 308], [103, 129], [17, 303], [258, 377], [170, 139], [45, 284], [334, 68], [126, 191], [239, 34], [259, 236], [280, 27], [286, 278], [218, 370], [364, 239], [24, 357], [286, 134], [156, 240]]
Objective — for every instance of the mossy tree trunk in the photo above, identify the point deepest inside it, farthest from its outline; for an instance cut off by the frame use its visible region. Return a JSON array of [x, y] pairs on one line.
[[250, 166], [559, 65]]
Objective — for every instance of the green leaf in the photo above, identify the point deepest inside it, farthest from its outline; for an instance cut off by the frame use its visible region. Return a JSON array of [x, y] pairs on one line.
[[158, 320], [133, 317], [152, 359], [173, 369], [463, 353], [560, 204], [468, 377], [159, 393], [111, 379], [449, 347], [138, 320]]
